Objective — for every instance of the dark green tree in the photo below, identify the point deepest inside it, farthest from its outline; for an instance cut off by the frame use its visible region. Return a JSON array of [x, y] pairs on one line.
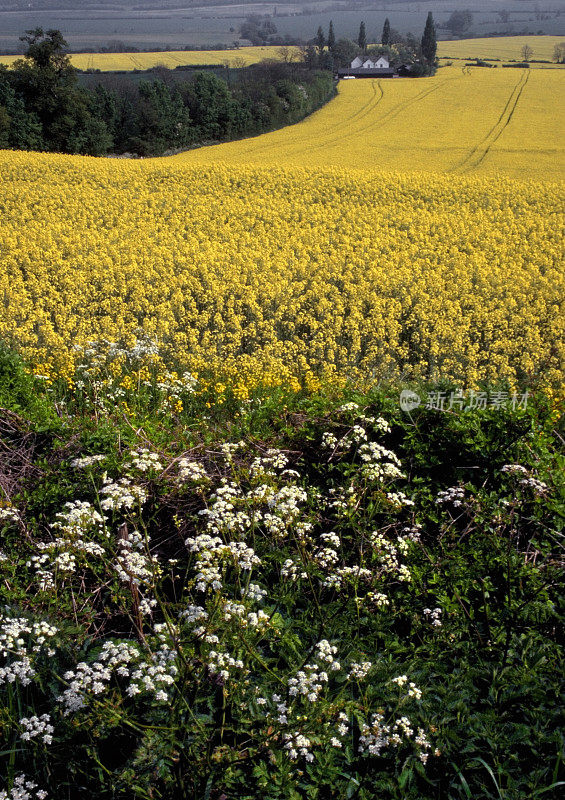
[[211, 106], [163, 120], [385, 36], [46, 81], [362, 38], [429, 41], [344, 52], [21, 129], [320, 40], [331, 37]]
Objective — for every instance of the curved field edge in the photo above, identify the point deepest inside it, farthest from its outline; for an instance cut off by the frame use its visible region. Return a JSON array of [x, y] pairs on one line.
[[371, 125], [283, 276]]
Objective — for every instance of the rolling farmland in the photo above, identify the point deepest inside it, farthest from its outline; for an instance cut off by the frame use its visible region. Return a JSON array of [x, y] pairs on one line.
[[107, 62], [497, 121], [385, 234], [506, 48]]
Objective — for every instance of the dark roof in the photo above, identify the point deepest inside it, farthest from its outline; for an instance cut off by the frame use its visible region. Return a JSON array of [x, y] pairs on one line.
[[367, 73]]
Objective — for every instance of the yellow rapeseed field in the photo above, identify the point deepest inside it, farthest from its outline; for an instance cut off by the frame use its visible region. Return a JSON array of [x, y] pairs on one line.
[[409, 228], [460, 121], [270, 275], [507, 48], [174, 58]]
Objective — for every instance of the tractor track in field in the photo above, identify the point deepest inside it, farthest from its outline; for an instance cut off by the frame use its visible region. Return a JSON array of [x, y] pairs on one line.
[[365, 109], [479, 152], [388, 116]]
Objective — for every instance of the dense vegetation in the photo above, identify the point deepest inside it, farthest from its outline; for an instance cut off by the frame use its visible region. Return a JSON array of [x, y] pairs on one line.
[[43, 107], [300, 596]]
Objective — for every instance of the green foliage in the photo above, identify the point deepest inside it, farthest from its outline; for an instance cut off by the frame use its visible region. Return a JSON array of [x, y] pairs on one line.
[[429, 42], [362, 37], [437, 576], [331, 37], [42, 107]]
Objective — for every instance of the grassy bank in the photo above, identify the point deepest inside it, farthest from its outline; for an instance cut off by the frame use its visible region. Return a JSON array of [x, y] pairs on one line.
[[300, 595]]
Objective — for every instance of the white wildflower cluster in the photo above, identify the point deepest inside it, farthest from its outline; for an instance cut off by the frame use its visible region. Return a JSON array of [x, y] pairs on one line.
[[515, 469], [87, 461], [23, 789], [379, 462], [212, 552], [539, 487], [413, 691], [380, 424], [378, 599], [246, 619], [292, 571], [357, 434], [267, 465], [349, 407], [21, 641], [191, 471], [223, 517], [132, 564], [341, 499], [399, 499], [309, 681], [326, 556], [34, 727], [285, 510], [389, 554], [175, 385], [220, 664], [347, 575], [77, 525], [228, 449], [433, 615], [454, 496], [527, 480], [341, 730], [296, 745], [78, 518], [359, 671], [121, 495], [254, 592], [9, 515], [376, 736], [329, 441], [412, 533], [144, 460], [124, 660], [141, 348], [193, 614]]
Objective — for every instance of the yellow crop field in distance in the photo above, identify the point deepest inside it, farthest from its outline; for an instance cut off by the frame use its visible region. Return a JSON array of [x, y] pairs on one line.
[[477, 121], [506, 48], [270, 275], [107, 62]]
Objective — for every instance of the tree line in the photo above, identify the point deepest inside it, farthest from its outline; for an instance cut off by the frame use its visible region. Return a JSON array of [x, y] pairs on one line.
[[44, 107], [330, 52]]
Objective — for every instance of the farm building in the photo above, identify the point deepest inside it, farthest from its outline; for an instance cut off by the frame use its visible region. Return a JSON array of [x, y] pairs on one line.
[[368, 69]]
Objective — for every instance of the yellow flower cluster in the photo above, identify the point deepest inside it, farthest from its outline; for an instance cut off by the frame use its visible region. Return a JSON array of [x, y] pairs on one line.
[[282, 276], [479, 121]]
